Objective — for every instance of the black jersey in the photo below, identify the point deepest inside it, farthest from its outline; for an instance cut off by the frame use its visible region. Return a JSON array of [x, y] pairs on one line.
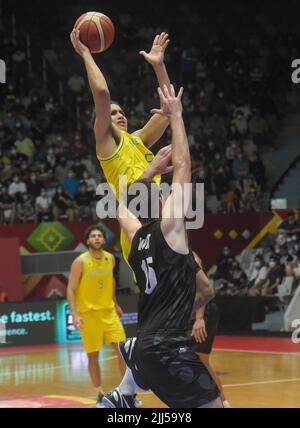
[[167, 282]]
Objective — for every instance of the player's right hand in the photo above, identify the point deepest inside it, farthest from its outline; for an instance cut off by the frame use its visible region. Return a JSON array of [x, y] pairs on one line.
[[161, 162], [199, 330], [79, 47], [170, 103], [78, 322]]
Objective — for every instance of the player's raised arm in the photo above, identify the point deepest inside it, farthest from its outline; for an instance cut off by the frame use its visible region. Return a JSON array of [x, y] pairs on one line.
[[128, 221], [106, 134], [157, 125], [173, 213]]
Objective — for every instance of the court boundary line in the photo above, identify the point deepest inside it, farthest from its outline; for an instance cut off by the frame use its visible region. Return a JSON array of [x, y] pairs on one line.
[[263, 382], [256, 352]]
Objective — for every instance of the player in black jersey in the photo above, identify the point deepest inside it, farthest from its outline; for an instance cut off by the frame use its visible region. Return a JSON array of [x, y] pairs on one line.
[[203, 328], [160, 358]]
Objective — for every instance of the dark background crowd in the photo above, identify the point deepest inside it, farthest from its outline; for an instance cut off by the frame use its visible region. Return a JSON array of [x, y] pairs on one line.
[[233, 61], [272, 269]]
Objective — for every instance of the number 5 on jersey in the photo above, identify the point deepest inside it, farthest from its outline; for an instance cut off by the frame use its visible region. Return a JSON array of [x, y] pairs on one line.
[[149, 272]]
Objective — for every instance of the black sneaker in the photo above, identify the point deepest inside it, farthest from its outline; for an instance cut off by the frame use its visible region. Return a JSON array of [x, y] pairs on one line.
[[116, 400], [99, 403]]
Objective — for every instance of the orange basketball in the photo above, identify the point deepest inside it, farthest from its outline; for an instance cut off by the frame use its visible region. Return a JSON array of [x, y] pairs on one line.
[[97, 31]]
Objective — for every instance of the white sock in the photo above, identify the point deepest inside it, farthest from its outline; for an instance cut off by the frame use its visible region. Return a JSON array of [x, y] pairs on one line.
[[128, 385], [226, 404]]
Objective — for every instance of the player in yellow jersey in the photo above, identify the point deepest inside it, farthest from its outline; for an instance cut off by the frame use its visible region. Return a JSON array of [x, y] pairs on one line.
[[91, 296], [119, 152]]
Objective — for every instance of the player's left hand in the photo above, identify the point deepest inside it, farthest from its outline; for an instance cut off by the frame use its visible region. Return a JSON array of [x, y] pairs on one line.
[[199, 330], [156, 56], [119, 310], [170, 103]]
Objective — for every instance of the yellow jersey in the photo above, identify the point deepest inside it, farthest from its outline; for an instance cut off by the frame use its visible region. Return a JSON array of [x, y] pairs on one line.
[[131, 158], [96, 287]]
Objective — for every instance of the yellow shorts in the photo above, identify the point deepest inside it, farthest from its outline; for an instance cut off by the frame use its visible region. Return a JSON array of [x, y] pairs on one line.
[[99, 325]]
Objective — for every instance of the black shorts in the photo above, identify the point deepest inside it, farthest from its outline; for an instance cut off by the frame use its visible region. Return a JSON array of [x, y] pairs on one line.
[[211, 318], [165, 364]]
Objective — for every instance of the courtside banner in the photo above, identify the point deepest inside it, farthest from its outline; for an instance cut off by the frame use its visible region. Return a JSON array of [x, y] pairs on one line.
[[30, 323], [46, 322]]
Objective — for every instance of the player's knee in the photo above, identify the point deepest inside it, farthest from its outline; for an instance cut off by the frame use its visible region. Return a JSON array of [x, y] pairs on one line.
[[93, 357]]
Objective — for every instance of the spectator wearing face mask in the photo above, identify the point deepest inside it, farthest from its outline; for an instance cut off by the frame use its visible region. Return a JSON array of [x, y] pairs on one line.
[[239, 125], [25, 210], [219, 162], [258, 127], [43, 205], [236, 279], [257, 276], [240, 168], [7, 207], [89, 181], [210, 150], [62, 204], [292, 243], [61, 169], [45, 174], [289, 266], [51, 158], [257, 169], [34, 186], [24, 172], [17, 188], [223, 264], [78, 169], [83, 204], [274, 278], [15, 158]]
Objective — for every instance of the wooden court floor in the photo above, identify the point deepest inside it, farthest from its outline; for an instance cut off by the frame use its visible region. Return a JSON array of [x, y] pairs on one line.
[[262, 375]]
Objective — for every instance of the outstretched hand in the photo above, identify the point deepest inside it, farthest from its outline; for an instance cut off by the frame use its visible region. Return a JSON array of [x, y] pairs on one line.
[[79, 47], [161, 162], [156, 56], [170, 103]]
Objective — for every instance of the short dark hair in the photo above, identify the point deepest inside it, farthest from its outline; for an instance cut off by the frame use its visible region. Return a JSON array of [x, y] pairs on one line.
[[151, 198], [93, 117], [93, 227]]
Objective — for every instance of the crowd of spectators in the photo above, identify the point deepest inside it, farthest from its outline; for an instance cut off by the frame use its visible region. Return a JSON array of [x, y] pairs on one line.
[[261, 271], [236, 94]]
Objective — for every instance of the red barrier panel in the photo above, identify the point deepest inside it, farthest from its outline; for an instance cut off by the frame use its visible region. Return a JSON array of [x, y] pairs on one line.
[[10, 268]]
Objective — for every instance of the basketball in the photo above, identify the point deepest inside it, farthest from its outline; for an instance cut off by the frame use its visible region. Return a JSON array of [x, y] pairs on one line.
[[97, 31]]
